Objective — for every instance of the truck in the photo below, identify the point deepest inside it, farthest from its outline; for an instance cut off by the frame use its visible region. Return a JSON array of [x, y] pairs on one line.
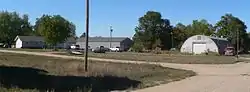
[[229, 51]]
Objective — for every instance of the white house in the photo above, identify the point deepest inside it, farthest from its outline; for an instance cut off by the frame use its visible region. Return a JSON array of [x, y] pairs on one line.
[[38, 42], [29, 42], [199, 44]]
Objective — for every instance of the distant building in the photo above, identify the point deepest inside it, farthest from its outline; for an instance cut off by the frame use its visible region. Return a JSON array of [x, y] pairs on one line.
[[38, 42], [70, 41], [199, 44], [124, 43]]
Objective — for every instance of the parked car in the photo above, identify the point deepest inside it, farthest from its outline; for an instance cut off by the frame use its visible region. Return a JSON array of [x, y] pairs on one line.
[[100, 49], [116, 49], [229, 51], [75, 47]]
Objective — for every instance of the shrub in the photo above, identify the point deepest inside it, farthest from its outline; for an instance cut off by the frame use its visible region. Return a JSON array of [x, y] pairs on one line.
[[137, 47]]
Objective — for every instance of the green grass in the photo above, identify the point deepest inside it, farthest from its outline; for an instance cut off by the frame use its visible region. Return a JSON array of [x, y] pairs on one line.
[[36, 73], [169, 58]]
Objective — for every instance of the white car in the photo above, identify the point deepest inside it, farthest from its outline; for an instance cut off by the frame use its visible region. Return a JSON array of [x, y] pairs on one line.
[[75, 47], [114, 49]]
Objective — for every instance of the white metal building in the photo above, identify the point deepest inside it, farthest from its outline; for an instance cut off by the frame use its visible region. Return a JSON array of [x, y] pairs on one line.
[[124, 43], [199, 44]]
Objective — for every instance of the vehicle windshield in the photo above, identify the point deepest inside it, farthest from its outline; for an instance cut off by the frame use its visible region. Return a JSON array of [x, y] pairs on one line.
[[230, 48]]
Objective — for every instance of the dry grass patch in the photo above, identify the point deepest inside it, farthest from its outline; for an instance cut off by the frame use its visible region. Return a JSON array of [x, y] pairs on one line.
[[42, 73], [30, 50], [168, 58]]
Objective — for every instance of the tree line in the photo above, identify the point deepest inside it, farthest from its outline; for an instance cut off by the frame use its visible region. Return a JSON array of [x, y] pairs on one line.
[[155, 32], [54, 28]]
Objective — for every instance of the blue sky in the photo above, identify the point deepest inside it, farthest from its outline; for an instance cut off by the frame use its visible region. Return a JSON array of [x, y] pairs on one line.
[[123, 14]]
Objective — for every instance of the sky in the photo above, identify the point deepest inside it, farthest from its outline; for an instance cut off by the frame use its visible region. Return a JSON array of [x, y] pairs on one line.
[[123, 15]]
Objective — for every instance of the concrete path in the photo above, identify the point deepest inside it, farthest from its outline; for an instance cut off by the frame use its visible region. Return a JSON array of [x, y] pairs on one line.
[[210, 78]]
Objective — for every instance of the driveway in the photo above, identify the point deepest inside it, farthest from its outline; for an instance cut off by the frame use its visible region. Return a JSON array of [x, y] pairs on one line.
[[210, 78]]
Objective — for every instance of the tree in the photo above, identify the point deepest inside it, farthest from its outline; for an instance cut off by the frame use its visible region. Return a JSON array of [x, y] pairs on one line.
[[179, 35], [11, 25], [26, 27], [71, 25], [72, 28], [55, 29], [228, 27], [153, 31], [200, 27]]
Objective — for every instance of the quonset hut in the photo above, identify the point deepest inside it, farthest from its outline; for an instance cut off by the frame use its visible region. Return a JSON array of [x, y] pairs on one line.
[[199, 44]]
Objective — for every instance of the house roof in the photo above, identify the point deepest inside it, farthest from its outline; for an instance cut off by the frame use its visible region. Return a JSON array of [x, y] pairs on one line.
[[30, 38], [102, 39], [39, 38], [71, 39]]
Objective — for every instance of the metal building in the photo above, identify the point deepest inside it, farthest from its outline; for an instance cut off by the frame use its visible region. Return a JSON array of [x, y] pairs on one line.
[[124, 43], [199, 44]]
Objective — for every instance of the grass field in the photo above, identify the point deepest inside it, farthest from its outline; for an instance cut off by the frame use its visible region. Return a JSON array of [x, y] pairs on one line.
[[19, 72], [30, 50], [174, 58], [151, 57]]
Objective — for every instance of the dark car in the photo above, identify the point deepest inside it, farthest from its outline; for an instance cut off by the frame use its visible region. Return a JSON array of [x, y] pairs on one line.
[[100, 49]]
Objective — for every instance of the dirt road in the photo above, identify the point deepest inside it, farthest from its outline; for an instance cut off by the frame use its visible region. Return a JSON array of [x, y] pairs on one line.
[[210, 78]]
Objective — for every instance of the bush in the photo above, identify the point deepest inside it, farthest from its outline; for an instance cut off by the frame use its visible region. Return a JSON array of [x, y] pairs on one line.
[[137, 47], [157, 50]]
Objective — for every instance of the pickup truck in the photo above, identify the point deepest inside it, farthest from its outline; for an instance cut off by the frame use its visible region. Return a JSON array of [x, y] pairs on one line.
[[117, 49]]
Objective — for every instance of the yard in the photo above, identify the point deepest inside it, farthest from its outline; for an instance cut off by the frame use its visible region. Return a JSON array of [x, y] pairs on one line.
[[19, 72], [31, 50], [168, 58]]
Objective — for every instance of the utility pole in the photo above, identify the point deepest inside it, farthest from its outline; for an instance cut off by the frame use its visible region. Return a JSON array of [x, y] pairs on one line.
[[111, 30], [172, 40], [237, 53], [87, 36]]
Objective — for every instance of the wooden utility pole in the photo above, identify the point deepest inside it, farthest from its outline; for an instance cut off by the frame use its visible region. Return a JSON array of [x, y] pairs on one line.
[[110, 42], [172, 40], [237, 53], [87, 36]]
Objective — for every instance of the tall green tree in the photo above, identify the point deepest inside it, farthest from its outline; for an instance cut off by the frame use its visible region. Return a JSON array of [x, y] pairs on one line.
[[180, 34], [55, 29], [200, 27], [37, 32], [72, 28], [11, 25], [228, 27], [153, 31], [26, 27]]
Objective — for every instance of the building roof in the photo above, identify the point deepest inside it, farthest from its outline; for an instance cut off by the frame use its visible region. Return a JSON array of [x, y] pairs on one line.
[[71, 39], [102, 39], [218, 38], [30, 38], [39, 38]]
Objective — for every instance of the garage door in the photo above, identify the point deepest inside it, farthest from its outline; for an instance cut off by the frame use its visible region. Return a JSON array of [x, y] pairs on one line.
[[199, 48]]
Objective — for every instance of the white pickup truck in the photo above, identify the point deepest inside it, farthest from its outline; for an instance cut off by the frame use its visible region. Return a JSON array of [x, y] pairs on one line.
[[117, 49], [74, 47]]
